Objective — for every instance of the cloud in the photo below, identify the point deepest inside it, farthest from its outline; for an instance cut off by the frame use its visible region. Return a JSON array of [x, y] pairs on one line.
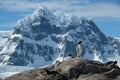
[[18, 5], [75, 7]]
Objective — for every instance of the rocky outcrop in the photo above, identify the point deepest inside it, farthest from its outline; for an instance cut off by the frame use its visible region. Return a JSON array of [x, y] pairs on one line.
[[72, 69]]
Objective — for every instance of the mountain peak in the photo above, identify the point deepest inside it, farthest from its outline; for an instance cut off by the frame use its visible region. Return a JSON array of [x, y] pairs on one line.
[[45, 35], [42, 10]]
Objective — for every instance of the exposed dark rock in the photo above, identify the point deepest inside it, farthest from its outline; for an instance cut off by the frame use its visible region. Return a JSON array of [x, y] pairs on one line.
[[110, 62], [113, 73], [93, 77], [72, 69], [91, 68]]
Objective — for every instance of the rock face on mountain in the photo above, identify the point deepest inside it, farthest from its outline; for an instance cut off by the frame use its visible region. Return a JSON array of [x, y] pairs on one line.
[[45, 35], [72, 69]]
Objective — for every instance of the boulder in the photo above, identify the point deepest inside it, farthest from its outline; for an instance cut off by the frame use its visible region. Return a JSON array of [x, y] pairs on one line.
[[72, 69]]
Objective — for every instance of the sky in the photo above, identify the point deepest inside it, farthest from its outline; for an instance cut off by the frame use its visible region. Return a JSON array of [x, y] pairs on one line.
[[105, 13]]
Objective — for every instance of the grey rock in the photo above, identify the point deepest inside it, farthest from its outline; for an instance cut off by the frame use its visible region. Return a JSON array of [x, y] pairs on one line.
[[71, 69]]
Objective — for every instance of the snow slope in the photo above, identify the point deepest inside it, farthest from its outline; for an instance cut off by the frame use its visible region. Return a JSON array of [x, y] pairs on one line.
[[4, 35]]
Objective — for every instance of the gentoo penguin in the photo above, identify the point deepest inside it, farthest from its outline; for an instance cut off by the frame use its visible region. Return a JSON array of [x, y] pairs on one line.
[[79, 49]]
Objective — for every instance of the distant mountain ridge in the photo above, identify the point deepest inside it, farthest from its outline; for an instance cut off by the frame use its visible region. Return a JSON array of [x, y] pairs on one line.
[[44, 36]]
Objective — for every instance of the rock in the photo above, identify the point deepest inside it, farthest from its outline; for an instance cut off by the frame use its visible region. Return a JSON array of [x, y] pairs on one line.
[[118, 78], [93, 77], [89, 68], [110, 62], [57, 63], [57, 77], [113, 73], [72, 69]]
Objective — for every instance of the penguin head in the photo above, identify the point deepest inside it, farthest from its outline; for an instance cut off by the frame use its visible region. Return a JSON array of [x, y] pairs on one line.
[[79, 42]]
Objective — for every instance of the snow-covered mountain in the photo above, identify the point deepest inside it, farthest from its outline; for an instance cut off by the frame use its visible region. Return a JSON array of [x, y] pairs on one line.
[[46, 35], [4, 35]]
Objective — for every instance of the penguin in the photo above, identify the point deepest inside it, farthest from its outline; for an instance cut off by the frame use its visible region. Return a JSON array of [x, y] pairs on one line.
[[79, 49]]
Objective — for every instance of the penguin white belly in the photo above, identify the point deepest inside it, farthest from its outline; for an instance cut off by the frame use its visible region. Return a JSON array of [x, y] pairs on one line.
[[79, 50]]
